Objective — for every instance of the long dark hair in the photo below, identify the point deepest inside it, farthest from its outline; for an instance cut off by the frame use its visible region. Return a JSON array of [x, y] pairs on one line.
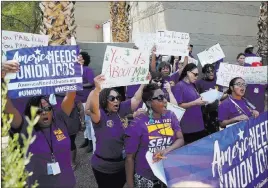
[[249, 50], [231, 84], [188, 67], [104, 94]]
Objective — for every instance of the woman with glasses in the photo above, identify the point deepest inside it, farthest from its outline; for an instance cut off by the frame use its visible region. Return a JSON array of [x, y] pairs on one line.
[[235, 108], [51, 160], [187, 97], [156, 131], [108, 115], [210, 111]]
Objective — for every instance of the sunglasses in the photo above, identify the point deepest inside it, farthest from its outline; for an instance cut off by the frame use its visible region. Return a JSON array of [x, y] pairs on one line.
[[44, 109], [160, 98], [195, 74], [156, 80], [112, 98], [240, 84]]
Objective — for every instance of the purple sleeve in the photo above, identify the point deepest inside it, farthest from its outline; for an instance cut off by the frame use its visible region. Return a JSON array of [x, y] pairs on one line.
[[88, 76], [133, 135], [223, 112], [125, 108], [175, 123], [178, 93]]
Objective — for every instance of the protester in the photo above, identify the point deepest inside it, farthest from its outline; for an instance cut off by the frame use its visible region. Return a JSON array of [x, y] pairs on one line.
[[108, 116], [51, 147], [157, 131], [235, 108], [88, 86], [210, 111], [255, 93], [249, 51], [187, 97], [241, 60], [191, 50]]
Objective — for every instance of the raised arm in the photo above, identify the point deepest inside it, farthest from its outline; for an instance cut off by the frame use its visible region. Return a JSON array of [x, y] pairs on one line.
[[11, 66], [93, 104], [153, 63], [185, 62], [68, 102], [137, 98]]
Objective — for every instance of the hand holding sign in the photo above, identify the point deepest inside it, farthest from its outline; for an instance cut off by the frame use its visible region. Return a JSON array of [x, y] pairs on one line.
[[11, 66], [200, 102], [98, 80]]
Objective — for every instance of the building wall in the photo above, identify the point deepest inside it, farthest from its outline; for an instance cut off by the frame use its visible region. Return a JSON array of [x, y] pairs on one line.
[[232, 24], [87, 15]]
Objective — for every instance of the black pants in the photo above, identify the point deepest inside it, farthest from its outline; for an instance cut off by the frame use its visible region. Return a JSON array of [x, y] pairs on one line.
[[116, 180], [72, 138], [192, 137]]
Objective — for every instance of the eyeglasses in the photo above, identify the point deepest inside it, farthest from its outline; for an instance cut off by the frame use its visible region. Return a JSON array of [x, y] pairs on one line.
[[112, 98], [160, 98], [195, 74], [44, 109], [156, 80], [240, 84]]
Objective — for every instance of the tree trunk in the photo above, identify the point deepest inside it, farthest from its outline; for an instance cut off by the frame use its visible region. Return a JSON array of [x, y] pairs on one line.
[[58, 21], [263, 33]]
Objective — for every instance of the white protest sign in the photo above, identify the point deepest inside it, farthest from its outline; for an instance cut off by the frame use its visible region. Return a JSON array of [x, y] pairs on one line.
[[172, 43], [14, 40], [250, 60], [211, 96], [145, 41], [178, 111], [157, 168], [211, 55], [124, 67], [192, 60], [252, 75]]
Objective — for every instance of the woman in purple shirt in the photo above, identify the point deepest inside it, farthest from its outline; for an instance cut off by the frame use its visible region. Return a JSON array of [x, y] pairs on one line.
[[210, 111], [156, 131], [249, 51], [108, 115], [187, 97], [51, 160], [235, 108]]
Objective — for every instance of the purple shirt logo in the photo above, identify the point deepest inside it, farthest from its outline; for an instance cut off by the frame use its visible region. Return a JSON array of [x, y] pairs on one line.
[[110, 123]]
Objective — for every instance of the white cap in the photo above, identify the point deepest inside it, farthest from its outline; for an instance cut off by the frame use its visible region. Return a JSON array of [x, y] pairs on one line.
[[250, 46]]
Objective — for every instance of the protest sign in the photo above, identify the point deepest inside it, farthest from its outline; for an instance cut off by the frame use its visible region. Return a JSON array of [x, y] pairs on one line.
[[252, 75], [172, 43], [250, 60], [145, 41], [45, 70], [211, 55], [211, 96], [124, 67], [178, 111], [234, 157]]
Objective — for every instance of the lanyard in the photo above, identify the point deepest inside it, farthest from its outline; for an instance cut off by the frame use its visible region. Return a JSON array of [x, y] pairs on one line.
[[237, 105], [50, 144]]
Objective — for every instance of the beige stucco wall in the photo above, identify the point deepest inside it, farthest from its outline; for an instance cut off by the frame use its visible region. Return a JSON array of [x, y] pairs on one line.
[[87, 15], [232, 24]]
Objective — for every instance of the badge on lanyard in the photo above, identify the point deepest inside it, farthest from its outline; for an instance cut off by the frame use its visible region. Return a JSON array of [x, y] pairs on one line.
[[256, 90], [53, 168]]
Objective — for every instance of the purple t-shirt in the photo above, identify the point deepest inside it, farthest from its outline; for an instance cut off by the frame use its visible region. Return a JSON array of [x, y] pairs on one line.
[[88, 77], [42, 154], [228, 110], [250, 55], [109, 134], [20, 104], [192, 120], [255, 93], [141, 136], [131, 90]]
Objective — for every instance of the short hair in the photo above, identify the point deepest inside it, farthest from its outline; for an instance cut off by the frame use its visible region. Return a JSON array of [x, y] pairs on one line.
[[206, 68], [164, 64], [240, 54], [86, 58], [148, 92], [191, 45]]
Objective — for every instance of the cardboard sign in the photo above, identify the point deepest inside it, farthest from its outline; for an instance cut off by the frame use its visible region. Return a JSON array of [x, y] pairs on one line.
[[250, 60], [124, 67], [172, 43], [211, 55], [145, 41], [45, 70], [252, 75], [178, 111]]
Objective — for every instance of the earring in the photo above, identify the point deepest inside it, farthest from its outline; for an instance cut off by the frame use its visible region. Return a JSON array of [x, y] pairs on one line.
[[151, 120]]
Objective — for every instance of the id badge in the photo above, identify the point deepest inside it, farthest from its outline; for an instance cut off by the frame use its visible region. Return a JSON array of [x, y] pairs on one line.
[[49, 169], [124, 154], [55, 168]]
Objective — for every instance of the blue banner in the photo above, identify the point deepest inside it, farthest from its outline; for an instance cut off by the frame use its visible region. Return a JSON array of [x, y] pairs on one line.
[[45, 70], [235, 157]]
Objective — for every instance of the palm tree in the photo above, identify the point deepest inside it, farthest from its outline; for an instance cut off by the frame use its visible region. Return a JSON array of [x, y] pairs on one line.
[[263, 32], [119, 12], [58, 21]]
